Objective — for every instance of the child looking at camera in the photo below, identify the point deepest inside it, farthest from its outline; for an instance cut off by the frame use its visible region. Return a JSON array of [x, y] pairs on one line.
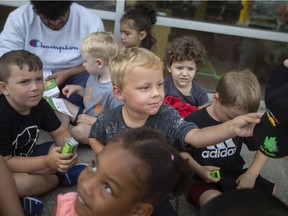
[[152, 168]]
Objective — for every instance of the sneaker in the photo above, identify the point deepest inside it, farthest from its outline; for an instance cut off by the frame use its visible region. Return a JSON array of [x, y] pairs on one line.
[[32, 205], [71, 176]]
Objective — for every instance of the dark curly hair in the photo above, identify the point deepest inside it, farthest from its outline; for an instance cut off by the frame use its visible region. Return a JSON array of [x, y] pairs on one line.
[[51, 9], [159, 167], [185, 48], [144, 17]]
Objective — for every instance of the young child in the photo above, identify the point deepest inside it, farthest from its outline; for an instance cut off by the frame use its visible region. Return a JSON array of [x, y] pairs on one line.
[[23, 113], [152, 168], [97, 48], [183, 58], [137, 77], [136, 26], [237, 93]]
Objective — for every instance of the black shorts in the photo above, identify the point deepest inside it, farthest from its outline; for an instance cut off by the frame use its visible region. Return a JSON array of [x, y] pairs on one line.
[[228, 181]]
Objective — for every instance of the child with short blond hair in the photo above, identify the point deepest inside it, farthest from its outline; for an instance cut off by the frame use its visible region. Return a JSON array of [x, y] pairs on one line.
[[137, 77], [97, 48], [237, 93]]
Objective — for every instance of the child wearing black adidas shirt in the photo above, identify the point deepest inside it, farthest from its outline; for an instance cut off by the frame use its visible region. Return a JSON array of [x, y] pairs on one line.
[[237, 93]]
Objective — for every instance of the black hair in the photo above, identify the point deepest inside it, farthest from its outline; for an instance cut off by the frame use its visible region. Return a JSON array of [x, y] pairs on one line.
[[160, 169], [19, 58], [51, 9], [248, 202], [144, 17]]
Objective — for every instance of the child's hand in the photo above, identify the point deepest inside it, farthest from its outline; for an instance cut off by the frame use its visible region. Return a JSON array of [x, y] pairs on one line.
[[68, 90], [246, 180], [204, 173], [58, 161], [245, 124]]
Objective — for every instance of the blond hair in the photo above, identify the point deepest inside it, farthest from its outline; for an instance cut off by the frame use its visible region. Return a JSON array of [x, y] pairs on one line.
[[100, 45], [128, 59], [239, 89]]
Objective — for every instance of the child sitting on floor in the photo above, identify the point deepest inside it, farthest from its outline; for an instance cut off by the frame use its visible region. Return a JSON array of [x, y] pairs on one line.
[[151, 166], [36, 168], [183, 58], [96, 49], [237, 93]]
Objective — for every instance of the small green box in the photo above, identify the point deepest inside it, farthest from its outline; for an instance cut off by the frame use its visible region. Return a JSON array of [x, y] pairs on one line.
[[215, 174], [70, 146]]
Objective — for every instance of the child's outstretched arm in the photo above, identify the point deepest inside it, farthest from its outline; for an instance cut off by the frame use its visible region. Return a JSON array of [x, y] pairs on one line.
[[247, 179], [240, 126]]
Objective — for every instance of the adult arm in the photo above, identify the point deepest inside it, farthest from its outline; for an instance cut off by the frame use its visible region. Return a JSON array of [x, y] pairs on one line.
[[62, 76]]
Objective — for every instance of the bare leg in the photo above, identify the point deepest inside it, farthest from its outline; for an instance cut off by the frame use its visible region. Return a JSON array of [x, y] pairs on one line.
[[81, 132], [34, 184], [9, 198], [207, 196]]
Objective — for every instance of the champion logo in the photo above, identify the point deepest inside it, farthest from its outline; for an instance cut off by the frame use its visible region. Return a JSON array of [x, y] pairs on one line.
[[221, 150], [38, 44]]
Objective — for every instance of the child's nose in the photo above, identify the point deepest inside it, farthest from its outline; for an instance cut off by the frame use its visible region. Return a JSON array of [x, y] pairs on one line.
[[35, 85], [155, 92]]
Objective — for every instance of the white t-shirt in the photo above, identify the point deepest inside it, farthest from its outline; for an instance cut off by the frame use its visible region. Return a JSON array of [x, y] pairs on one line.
[[59, 49]]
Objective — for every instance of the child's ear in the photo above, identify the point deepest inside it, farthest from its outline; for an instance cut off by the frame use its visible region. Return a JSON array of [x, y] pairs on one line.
[[3, 89], [142, 209], [142, 35], [100, 62], [216, 97], [117, 92]]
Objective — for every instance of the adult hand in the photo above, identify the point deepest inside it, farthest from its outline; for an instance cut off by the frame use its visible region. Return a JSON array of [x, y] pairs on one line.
[[59, 76]]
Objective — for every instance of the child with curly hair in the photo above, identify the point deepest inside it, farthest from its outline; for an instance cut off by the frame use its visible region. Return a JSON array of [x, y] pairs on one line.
[[183, 58]]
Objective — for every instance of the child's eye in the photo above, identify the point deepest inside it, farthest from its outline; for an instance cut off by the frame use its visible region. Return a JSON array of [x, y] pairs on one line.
[[24, 82], [143, 88], [40, 79], [179, 68], [160, 84], [107, 188]]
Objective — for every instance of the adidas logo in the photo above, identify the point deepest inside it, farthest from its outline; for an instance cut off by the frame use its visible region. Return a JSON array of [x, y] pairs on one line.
[[221, 150]]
